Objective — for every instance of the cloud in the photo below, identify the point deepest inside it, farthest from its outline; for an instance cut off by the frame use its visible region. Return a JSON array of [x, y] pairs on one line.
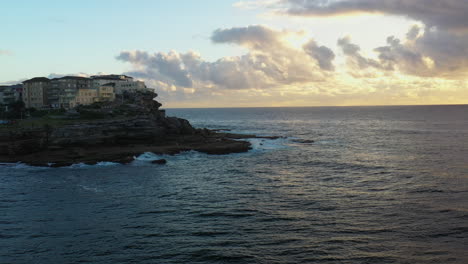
[[444, 53], [444, 14], [322, 54], [425, 53], [254, 37], [13, 82], [255, 4], [413, 33], [59, 75], [437, 48], [276, 71], [5, 52], [354, 57], [270, 62], [405, 57]]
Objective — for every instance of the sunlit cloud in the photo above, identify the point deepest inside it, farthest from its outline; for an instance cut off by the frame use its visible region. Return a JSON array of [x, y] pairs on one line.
[[271, 61], [290, 67], [436, 47]]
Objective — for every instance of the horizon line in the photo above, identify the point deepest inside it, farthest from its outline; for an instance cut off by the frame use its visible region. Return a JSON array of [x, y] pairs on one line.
[[246, 107]]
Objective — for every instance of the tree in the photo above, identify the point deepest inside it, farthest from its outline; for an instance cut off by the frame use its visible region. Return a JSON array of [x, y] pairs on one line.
[[17, 106], [16, 109]]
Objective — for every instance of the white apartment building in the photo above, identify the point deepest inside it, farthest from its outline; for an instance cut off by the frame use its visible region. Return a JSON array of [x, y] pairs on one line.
[[122, 83]]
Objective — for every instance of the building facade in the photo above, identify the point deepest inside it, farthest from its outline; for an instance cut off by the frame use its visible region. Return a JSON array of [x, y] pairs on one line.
[[70, 91], [84, 96], [106, 92], [10, 94], [122, 83], [65, 91], [35, 92]]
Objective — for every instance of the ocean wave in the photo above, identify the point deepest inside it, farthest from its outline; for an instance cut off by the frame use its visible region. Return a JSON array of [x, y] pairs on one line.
[[89, 189], [99, 164], [148, 156], [23, 166], [258, 144], [20, 165]]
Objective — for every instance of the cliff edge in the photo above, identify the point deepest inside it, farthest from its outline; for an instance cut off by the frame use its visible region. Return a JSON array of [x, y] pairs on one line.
[[110, 131]]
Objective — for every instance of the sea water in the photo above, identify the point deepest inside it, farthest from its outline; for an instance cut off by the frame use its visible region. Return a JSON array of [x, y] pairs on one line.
[[378, 185]]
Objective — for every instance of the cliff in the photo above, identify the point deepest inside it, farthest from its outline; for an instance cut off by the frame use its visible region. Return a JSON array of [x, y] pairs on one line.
[[123, 130]]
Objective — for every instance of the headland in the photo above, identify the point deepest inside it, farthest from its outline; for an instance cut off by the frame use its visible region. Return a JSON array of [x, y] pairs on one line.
[[114, 131]]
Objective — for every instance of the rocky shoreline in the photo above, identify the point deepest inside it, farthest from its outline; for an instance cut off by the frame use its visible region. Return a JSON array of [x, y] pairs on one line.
[[56, 156], [115, 139]]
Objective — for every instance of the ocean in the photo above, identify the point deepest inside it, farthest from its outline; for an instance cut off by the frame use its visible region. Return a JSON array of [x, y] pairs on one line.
[[378, 185]]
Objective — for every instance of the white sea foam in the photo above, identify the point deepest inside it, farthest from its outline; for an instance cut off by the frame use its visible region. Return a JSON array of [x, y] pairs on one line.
[[258, 144], [106, 164], [148, 156], [24, 166], [20, 165], [99, 164], [90, 189]]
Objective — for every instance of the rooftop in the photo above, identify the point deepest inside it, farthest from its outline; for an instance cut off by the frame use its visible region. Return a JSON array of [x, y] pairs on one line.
[[72, 78], [37, 79], [111, 77]]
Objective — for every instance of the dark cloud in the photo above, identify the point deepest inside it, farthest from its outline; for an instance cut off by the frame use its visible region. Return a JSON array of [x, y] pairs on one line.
[[354, 57], [445, 14], [448, 51], [425, 53], [322, 54], [255, 37], [432, 53], [400, 56], [169, 65], [413, 33]]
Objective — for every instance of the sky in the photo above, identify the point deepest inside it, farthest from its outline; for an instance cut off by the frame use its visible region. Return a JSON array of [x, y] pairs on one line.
[[232, 53]]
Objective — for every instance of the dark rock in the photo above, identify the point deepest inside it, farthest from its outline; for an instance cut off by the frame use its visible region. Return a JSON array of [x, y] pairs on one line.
[[124, 160], [303, 141], [225, 146], [55, 148], [25, 146], [160, 161], [246, 136], [61, 164]]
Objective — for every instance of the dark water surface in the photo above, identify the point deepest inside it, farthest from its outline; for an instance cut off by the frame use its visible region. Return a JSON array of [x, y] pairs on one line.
[[379, 185]]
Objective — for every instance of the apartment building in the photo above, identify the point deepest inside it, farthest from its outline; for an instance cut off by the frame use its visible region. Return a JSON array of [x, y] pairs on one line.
[[84, 96], [35, 92], [106, 92], [64, 91], [10, 93], [122, 83], [70, 91]]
